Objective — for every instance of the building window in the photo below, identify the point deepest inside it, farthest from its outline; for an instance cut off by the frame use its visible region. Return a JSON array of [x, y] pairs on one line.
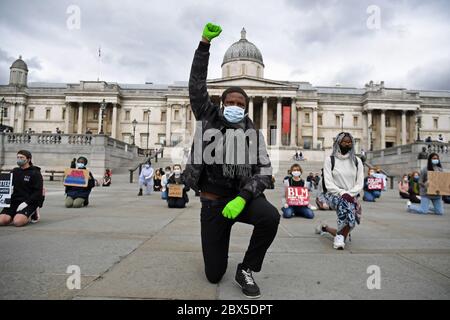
[[47, 114], [307, 142], [338, 121], [31, 114], [388, 122], [258, 72], [127, 115], [95, 115], [5, 112], [319, 120], [228, 71], [162, 139], [355, 121], [163, 116], [145, 117], [176, 115], [435, 123], [243, 69], [307, 118], [64, 114]]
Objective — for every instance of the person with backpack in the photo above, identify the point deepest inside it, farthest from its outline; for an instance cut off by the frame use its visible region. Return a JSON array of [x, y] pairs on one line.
[[295, 181], [28, 193], [343, 181]]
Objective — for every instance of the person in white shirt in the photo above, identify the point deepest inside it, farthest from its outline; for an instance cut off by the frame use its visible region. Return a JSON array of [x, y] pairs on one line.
[[146, 179], [344, 180]]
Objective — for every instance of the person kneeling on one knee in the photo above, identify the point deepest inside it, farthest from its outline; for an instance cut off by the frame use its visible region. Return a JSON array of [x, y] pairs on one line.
[[27, 195], [295, 181], [78, 197]]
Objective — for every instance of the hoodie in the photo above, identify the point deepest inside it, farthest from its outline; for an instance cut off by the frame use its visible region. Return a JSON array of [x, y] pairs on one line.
[[28, 186]]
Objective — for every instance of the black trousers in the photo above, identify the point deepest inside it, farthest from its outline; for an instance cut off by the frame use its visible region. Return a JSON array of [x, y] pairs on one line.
[[216, 229]]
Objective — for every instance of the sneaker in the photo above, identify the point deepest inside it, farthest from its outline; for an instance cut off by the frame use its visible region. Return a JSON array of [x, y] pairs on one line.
[[319, 228], [35, 217], [339, 242], [140, 193], [408, 204], [244, 279]]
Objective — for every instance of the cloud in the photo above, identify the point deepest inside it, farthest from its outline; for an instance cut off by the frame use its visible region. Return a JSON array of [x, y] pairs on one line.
[[322, 41]]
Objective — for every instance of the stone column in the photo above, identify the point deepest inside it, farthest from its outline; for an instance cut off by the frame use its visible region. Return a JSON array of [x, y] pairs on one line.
[[383, 129], [80, 118], [250, 108], [100, 116], [114, 122], [404, 127], [293, 122], [12, 115], [67, 119], [279, 122], [192, 122], [183, 117], [370, 128], [168, 125], [299, 132], [315, 129], [264, 120], [21, 119]]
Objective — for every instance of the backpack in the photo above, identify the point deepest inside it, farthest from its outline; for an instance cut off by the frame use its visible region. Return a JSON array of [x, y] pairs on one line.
[[324, 188]]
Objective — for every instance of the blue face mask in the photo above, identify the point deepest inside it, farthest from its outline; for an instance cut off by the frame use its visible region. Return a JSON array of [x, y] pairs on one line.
[[233, 114], [435, 162]]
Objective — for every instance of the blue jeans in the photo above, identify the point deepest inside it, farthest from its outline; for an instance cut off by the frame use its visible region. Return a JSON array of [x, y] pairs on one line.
[[298, 212], [425, 206], [370, 196]]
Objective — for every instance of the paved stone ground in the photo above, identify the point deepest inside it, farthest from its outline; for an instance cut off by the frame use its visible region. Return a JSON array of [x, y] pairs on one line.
[[136, 248]]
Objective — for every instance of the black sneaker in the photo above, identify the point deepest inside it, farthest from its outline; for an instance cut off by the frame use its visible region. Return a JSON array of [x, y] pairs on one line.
[[244, 279], [140, 192]]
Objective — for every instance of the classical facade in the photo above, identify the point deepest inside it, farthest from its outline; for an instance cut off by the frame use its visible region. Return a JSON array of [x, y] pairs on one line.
[[310, 116]]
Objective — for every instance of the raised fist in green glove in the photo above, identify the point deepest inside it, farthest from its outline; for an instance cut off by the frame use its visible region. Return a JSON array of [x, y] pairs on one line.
[[234, 208], [211, 31]]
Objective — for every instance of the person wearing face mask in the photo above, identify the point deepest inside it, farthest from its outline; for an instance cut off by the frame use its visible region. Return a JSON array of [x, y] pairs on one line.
[[27, 196], [231, 181], [146, 179], [165, 181], [434, 164], [379, 174], [78, 197], [371, 194], [414, 187], [403, 187], [295, 181], [344, 180], [177, 178]]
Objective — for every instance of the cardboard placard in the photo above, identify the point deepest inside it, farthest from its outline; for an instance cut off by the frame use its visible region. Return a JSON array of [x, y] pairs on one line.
[[175, 190], [438, 183], [76, 177], [6, 189], [297, 196], [375, 184]]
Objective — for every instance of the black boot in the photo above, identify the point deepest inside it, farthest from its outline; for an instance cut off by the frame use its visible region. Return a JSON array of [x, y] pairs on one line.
[[140, 192]]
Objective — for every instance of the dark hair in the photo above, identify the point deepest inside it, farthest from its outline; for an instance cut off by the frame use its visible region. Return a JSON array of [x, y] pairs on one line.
[[84, 159], [429, 164], [296, 165], [27, 155], [235, 89]]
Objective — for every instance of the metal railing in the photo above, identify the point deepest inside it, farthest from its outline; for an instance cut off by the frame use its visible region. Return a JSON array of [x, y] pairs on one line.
[[154, 154]]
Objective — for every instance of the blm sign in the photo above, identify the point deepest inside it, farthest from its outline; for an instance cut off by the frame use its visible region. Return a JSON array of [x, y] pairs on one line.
[[5, 189]]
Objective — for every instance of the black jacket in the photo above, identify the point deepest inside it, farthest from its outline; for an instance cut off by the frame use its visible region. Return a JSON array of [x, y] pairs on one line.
[[210, 117], [182, 180], [28, 186]]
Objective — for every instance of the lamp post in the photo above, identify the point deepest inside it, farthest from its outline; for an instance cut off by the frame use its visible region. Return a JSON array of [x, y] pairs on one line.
[[2, 108], [419, 125], [134, 123], [148, 128], [102, 109]]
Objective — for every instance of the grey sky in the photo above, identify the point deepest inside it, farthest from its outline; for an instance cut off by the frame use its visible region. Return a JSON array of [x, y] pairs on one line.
[[324, 42]]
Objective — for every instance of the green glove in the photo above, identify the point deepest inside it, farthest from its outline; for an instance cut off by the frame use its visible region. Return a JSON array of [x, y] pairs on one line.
[[234, 208], [211, 31]]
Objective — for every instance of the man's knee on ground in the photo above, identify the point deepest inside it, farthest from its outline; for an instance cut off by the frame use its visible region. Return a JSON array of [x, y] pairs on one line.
[[69, 202], [5, 220], [214, 277], [20, 220]]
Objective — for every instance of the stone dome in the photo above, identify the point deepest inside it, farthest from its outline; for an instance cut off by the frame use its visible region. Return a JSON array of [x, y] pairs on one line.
[[243, 50], [19, 64]]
